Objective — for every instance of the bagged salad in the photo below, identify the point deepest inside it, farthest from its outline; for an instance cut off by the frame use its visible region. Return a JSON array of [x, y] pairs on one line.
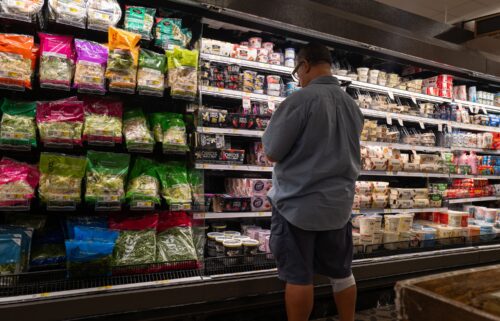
[[183, 73], [174, 241], [18, 182], [17, 60], [91, 59], [56, 61], [143, 190], [106, 174], [89, 258], [60, 122], [24, 10], [140, 20], [69, 12], [26, 237], [151, 73], [103, 121], [137, 241], [36, 222], [18, 125], [169, 33], [136, 131], [174, 133], [10, 253], [123, 57], [175, 187], [100, 234], [102, 14], [71, 222], [61, 179], [155, 120]]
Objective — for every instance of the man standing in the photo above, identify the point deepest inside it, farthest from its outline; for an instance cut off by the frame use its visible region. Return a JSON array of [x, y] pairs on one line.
[[314, 139]]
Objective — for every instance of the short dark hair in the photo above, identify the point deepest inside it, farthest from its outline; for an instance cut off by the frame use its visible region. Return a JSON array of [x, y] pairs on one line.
[[315, 53]]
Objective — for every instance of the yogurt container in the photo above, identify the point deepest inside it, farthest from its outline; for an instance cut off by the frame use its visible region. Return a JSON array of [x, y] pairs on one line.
[[233, 250], [391, 223], [250, 249], [367, 225], [405, 222], [290, 53], [255, 42], [390, 240]]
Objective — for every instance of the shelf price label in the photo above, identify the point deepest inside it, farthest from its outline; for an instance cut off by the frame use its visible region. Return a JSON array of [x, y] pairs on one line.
[[271, 105], [388, 120], [440, 127], [421, 123], [391, 94], [400, 121]]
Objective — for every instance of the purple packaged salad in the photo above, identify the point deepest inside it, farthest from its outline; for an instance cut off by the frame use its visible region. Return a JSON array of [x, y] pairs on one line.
[[90, 66]]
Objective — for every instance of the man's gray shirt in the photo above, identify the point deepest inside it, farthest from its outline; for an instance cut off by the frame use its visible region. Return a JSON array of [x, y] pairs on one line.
[[314, 139]]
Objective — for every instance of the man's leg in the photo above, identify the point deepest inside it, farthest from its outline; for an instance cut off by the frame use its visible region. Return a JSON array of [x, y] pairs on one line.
[[346, 303], [299, 301]]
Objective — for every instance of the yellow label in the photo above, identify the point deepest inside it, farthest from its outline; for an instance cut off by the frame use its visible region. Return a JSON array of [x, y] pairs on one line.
[[45, 294]]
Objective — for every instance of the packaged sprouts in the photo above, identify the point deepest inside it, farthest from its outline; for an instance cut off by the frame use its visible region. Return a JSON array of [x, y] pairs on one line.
[[123, 57], [18, 126], [102, 14], [56, 61], [140, 20], [103, 121], [91, 58], [17, 61], [151, 73]]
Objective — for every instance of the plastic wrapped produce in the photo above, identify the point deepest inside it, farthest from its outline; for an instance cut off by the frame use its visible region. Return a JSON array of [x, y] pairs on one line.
[[99, 234], [169, 33], [89, 257], [155, 120], [48, 256], [26, 237], [123, 57], [175, 187], [102, 14], [70, 12], [174, 242], [56, 61], [143, 189], [17, 61], [91, 59], [61, 179], [18, 182], [18, 125], [140, 20], [183, 73], [174, 133], [60, 122], [10, 253], [106, 174], [103, 121], [25, 10], [72, 222], [136, 131], [151, 73]]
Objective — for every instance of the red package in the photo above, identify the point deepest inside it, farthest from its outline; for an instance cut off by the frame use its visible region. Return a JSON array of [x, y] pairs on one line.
[[133, 223], [173, 219], [103, 120], [18, 182]]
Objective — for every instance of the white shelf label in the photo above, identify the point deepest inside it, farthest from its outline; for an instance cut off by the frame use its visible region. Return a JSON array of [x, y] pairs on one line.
[[400, 121], [413, 99], [421, 123], [391, 94], [271, 105], [389, 120], [440, 127]]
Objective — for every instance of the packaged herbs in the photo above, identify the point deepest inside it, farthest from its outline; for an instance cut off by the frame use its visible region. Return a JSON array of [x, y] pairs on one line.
[[89, 258], [151, 73], [143, 185], [136, 130], [61, 179], [123, 57], [17, 60], [10, 253], [18, 126], [174, 242], [56, 61], [18, 182], [60, 122], [103, 121], [175, 187], [70, 12], [169, 33], [102, 14], [183, 73], [91, 59], [106, 174], [140, 20]]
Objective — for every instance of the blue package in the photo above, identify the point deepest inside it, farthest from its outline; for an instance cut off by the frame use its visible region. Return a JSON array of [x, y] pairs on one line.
[[85, 233], [86, 258], [10, 253], [47, 256], [494, 120], [27, 236], [89, 221]]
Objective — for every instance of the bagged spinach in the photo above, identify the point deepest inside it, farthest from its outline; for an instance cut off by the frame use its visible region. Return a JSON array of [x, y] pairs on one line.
[[175, 187], [89, 258], [47, 255], [84, 221], [140, 20], [106, 174], [136, 130], [26, 237], [10, 253], [61, 178], [183, 73], [85, 233], [151, 73], [18, 126], [143, 184], [174, 242]]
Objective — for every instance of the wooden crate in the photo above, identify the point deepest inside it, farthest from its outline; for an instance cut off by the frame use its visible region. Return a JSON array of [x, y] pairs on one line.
[[465, 295]]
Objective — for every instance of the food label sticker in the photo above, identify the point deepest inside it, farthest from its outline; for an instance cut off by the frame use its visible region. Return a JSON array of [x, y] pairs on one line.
[[389, 120], [421, 123], [247, 105], [484, 110], [271, 105], [400, 121], [391, 95], [440, 127], [413, 99], [471, 108]]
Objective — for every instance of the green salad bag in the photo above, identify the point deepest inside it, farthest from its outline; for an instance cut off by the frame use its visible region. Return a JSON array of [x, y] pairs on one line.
[[18, 125]]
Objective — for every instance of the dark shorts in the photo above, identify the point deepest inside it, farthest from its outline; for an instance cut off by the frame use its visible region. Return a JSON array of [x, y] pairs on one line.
[[301, 254]]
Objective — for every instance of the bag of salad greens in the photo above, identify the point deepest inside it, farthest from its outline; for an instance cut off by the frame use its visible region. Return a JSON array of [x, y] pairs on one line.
[[136, 130], [71, 222], [85, 233], [18, 182], [103, 121], [89, 258], [174, 242], [174, 133], [175, 187], [26, 237], [143, 184], [183, 73], [140, 20], [61, 178], [106, 174], [10, 253], [18, 125], [169, 33], [155, 120], [151, 73]]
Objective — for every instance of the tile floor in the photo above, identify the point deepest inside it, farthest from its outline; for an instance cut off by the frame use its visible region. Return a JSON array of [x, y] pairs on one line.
[[383, 313]]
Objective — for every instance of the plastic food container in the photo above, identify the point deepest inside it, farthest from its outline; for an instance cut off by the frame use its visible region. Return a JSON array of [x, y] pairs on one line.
[[218, 227], [233, 250], [390, 239], [250, 249], [261, 237], [405, 222], [367, 225], [219, 245], [378, 238], [231, 233], [363, 72], [391, 223], [255, 42], [290, 53], [490, 215], [366, 241], [211, 242], [269, 46]]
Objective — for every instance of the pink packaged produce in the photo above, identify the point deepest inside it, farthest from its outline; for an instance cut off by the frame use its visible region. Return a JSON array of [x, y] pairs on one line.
[[260, 204], [18, 182], [60, 121], [90, 66], [103, 121], [56, 61]]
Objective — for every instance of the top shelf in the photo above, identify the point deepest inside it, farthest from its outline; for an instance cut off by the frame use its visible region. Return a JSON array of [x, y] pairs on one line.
[[247, 63]]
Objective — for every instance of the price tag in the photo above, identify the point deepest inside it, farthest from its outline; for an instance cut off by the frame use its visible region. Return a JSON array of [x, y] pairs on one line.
[[247, 105], [400, 121], [261, 214], [199, 216], [421, 123], [44, 294], [440, 127], [271, 105], [163, 282], [484, 110], [389, 120], [413, 99], [106, 287], [471, 108], [391, 95]]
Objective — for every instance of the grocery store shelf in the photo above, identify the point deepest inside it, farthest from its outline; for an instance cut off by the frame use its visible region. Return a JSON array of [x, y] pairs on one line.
[[474, 176], [407, 147], [477, 106], [223, 167], [477, 150], [212, 215], [474, 127], [230, 131], [394, 117], [247, 63], [398, 211], [473, 199], [236, 94], [402, 174]]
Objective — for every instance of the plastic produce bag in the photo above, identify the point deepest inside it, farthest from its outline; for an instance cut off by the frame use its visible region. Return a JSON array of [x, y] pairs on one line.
[[56, 61], [17, 60], [102, 14], [48, 255], [25, 10], [18, 182], [174, 242], [85, 233], [137, 241], [89, 258], [106, 174], [61, 179], [72, 222], [183, 73], [103, 121], [69, 12], [10, 253], [18, 126], [36, 222], [60, 122], [26, 237], [91, 59], [174, 133], [175, 187], [155, 120], [143, 188], [151, 73], [140, 20], [123, 57], [195, 178], [170, 34], [136, 131]]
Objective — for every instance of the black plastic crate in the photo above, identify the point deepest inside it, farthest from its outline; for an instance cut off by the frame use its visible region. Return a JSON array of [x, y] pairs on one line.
[[238, 264]]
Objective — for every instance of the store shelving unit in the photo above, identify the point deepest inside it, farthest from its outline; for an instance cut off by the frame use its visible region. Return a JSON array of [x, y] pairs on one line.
[[473, 199], [226, 167], [399, 210], [227, 215], [230, 131], [235, 94]]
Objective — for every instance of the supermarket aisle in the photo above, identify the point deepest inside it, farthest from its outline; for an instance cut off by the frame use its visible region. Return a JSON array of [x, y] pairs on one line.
[[384, 313]]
